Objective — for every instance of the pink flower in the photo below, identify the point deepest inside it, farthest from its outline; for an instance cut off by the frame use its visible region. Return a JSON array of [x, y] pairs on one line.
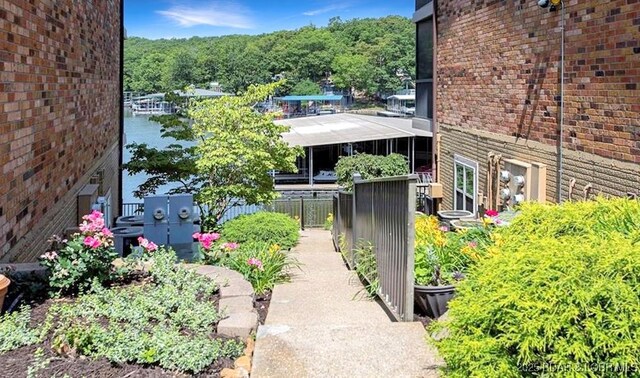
[[472, 244], [230, 246], [443, 228], [49, 255], [206, 239], [255, 262], [92, 242], [107, 233], [148, 245], [491, 213]]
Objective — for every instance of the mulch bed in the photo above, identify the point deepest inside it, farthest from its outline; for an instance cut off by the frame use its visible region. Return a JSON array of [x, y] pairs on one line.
[[261, 304], [16, 362]]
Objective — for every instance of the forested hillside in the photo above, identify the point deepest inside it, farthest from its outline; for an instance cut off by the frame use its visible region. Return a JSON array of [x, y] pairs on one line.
[[368, 55]]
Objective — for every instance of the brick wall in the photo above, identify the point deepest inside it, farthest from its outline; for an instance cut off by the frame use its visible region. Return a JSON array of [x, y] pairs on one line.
[[498, 89], [59, 114], [497, 69]]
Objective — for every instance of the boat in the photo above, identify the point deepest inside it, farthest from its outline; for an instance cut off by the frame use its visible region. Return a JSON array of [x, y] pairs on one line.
[[326, 176]]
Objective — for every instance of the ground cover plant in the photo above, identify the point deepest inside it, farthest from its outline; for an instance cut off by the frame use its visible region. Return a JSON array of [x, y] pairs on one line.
[[267, 227], [167, 320], [558, 296]]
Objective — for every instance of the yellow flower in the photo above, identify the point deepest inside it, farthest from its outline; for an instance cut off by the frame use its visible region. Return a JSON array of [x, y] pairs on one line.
[[274, 248]]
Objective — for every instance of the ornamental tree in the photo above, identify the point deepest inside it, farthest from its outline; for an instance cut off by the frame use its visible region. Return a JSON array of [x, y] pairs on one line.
[[237, 148]]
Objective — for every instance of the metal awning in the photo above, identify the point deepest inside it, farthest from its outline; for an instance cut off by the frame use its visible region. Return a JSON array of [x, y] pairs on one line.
[[347, 128]]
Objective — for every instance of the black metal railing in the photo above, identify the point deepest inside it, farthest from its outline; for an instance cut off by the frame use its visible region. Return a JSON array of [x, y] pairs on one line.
[[312, 212], [381, 213]]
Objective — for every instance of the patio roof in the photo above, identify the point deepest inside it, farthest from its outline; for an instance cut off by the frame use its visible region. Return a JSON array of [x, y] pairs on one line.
[[402, 97], [347, 128]]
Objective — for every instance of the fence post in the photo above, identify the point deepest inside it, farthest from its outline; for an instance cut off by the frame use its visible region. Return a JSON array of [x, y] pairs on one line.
[[302, 213], [357, 178], [411, 231]]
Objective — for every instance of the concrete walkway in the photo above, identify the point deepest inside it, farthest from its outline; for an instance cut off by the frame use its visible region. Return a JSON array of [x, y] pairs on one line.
[[320, 325]]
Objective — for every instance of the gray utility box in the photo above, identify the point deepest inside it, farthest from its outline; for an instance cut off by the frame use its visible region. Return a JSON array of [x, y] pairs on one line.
[[156, 219]]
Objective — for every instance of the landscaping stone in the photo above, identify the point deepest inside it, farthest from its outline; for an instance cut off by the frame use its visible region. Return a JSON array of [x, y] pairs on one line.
[[239, 325], [236, 288], [251, 344], [234, 373], [236, 305], [243, 362]]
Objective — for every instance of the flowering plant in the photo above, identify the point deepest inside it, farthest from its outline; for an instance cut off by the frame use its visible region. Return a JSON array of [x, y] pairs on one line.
[[443, 257], [262, 264], [211, 252], [87, 256]]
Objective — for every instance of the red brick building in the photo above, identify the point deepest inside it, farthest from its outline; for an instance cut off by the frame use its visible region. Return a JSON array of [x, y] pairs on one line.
[[494, 67], [60, 116]]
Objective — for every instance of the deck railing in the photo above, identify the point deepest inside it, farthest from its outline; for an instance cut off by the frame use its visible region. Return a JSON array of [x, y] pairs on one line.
[[312, 212], [381, 213]]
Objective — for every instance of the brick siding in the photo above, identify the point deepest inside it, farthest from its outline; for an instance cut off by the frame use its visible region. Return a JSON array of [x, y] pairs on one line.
[[59, 114], [498, 81], [498, 71]]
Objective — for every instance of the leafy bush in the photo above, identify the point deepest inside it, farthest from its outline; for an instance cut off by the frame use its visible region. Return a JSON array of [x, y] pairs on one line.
[[443, 257], [262, 264], [15, 331], [369, 166], [558, 296], [328, 223], [168, 321], [367, 268], [267, 227], [75, 263]]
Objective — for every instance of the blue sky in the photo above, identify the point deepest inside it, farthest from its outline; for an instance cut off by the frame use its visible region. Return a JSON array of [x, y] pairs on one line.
[[186, 18]]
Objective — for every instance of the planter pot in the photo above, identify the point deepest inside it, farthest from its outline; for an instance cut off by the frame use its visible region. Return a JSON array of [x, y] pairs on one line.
[[433, 300], [4, 287], [465, 224], [446, 216]]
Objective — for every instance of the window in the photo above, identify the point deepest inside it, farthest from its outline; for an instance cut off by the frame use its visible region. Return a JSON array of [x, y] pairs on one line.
[[424, 69], [465, 184], [421, 3]]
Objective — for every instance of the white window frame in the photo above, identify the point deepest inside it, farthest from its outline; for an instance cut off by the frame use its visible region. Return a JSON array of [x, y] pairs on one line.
[[466, 164]]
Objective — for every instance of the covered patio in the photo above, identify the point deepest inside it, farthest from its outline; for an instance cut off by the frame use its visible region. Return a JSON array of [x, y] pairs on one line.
[[327, 138]]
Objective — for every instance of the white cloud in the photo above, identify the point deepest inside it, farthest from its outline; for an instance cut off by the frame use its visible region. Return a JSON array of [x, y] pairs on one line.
[[328, 8], [216, 14]]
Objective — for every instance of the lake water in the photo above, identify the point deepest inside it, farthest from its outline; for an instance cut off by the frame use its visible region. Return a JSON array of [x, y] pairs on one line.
[[138, 129]]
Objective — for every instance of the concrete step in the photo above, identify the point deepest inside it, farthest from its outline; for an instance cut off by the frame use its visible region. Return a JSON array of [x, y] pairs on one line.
[[392, 350]]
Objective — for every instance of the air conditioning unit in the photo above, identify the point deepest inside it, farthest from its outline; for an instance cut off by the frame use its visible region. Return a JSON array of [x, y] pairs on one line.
[[523, 181]]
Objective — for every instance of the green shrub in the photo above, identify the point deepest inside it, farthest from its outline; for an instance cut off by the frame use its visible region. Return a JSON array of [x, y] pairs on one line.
[[168, 321], [15, 331], [267, 227], [369, 166], [262, 264], [558, 296]]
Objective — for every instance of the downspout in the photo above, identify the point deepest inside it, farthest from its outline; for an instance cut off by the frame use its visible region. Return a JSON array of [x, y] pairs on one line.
[[561, 131], [435, 145], [118, 212]]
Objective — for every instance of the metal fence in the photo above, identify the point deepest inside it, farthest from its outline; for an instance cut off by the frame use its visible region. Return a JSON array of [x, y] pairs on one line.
[[312, 212], [382, 212], [424, 202], [343, 225]]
